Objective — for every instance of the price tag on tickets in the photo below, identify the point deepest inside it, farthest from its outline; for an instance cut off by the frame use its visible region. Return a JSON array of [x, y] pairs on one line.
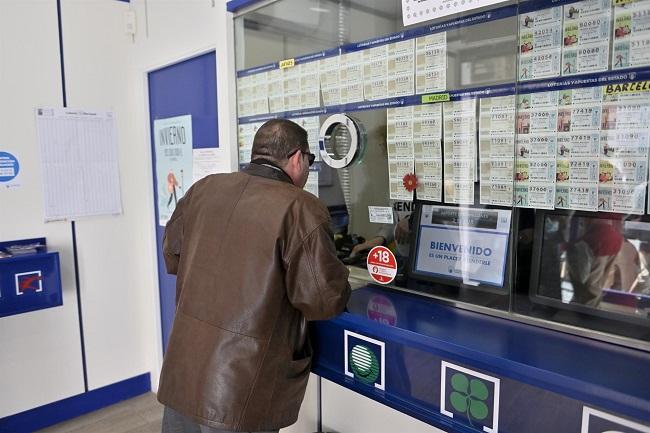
[[382, 265]]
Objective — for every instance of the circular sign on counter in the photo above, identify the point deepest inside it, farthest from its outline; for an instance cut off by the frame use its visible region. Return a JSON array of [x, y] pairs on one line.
[[382, 265]]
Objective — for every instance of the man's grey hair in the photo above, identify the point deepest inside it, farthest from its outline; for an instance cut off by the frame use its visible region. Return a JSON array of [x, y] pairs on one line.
[[277, 138]]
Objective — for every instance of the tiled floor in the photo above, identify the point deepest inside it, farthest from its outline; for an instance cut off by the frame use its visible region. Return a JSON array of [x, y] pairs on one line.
[[141, 414]]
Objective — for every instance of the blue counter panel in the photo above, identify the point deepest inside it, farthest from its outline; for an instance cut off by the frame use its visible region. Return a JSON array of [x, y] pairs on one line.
[[464, 372]]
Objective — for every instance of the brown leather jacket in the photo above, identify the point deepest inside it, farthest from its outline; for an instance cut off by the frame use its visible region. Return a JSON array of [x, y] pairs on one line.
[[254, 258]]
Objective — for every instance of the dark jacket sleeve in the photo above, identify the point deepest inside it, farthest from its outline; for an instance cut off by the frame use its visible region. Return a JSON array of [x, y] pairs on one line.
[[316, 280], [173, 237]]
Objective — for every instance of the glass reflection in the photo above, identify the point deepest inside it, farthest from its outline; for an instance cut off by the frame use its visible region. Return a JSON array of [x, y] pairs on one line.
[[598, 261]]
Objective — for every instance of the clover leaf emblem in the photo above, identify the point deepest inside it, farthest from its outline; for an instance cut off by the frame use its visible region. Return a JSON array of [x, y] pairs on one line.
[[469, 396]]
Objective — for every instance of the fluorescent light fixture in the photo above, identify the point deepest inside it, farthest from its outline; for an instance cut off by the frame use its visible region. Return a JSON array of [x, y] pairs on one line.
[[320, 10]]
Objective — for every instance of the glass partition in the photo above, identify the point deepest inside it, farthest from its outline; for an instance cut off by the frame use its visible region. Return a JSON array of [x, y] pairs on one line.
[[500, 153]]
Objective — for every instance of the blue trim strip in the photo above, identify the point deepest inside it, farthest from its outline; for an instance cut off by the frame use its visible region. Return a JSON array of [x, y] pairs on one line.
[[235, 5], [402, 101], [298, 60], [536, 5], [72, 407], [318, 56], [458, 229], [257, 69], [585, 80]]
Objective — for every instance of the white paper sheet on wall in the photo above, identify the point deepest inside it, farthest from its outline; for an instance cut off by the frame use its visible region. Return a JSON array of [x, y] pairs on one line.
[[80, 164], [205, 162]]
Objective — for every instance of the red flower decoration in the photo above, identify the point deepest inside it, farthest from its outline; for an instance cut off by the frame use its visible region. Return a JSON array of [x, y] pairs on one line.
[[410, 182]]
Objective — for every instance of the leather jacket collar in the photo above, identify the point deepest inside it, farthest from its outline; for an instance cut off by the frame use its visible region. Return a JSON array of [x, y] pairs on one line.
[[265, 168]]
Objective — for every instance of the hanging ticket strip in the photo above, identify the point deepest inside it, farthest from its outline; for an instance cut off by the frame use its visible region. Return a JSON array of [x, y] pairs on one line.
[[535, 151], [496, 149], [399, 139], [460, 151], [574, 142]]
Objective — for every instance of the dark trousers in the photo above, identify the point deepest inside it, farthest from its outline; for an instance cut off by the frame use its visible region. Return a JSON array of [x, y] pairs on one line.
[[174, 422]]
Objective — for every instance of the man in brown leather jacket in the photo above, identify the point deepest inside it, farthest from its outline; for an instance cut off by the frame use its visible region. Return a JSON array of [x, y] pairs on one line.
[[254, 259]]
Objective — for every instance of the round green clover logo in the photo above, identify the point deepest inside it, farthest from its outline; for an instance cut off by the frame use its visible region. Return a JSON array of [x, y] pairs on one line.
[[469, 396], [364, 364]]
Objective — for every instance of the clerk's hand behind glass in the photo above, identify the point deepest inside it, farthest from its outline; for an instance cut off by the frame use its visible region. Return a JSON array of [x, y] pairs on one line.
[[400, 234]]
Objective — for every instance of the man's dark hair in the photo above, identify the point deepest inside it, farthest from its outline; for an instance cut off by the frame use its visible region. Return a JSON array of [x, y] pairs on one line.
[[277, 138]]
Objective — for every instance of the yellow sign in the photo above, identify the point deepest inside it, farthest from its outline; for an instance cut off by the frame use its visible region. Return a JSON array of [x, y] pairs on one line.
[[435, 97], [622, 2], [289, 63], [634, 87]]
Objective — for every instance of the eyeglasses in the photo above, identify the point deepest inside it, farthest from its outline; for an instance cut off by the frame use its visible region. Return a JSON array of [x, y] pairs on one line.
[[310, 156]]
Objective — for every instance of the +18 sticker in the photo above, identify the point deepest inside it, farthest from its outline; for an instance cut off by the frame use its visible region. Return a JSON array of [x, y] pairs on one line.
[[382, 265]]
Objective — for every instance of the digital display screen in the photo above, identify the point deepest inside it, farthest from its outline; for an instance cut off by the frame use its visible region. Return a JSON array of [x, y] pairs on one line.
[[463, 244]]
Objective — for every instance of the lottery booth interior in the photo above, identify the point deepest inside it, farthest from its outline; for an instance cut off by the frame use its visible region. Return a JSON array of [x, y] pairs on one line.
[[496, 153]]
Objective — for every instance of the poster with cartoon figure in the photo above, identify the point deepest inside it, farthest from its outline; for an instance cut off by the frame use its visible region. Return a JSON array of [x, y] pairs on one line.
[[173, 144]]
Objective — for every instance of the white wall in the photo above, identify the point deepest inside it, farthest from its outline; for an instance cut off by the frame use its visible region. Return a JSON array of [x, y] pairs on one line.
[[40, 359], [106, 68], [40, 354], [345, 411]]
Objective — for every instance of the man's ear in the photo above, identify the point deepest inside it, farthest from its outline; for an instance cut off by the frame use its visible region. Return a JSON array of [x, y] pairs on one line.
[[295, 159], [293, 168]]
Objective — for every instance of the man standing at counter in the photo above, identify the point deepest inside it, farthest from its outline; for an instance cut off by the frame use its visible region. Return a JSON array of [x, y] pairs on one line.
[[255, 259]]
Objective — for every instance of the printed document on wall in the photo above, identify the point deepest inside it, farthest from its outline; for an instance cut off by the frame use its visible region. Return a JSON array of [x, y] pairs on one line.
[[205, 162], [79, 159]]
